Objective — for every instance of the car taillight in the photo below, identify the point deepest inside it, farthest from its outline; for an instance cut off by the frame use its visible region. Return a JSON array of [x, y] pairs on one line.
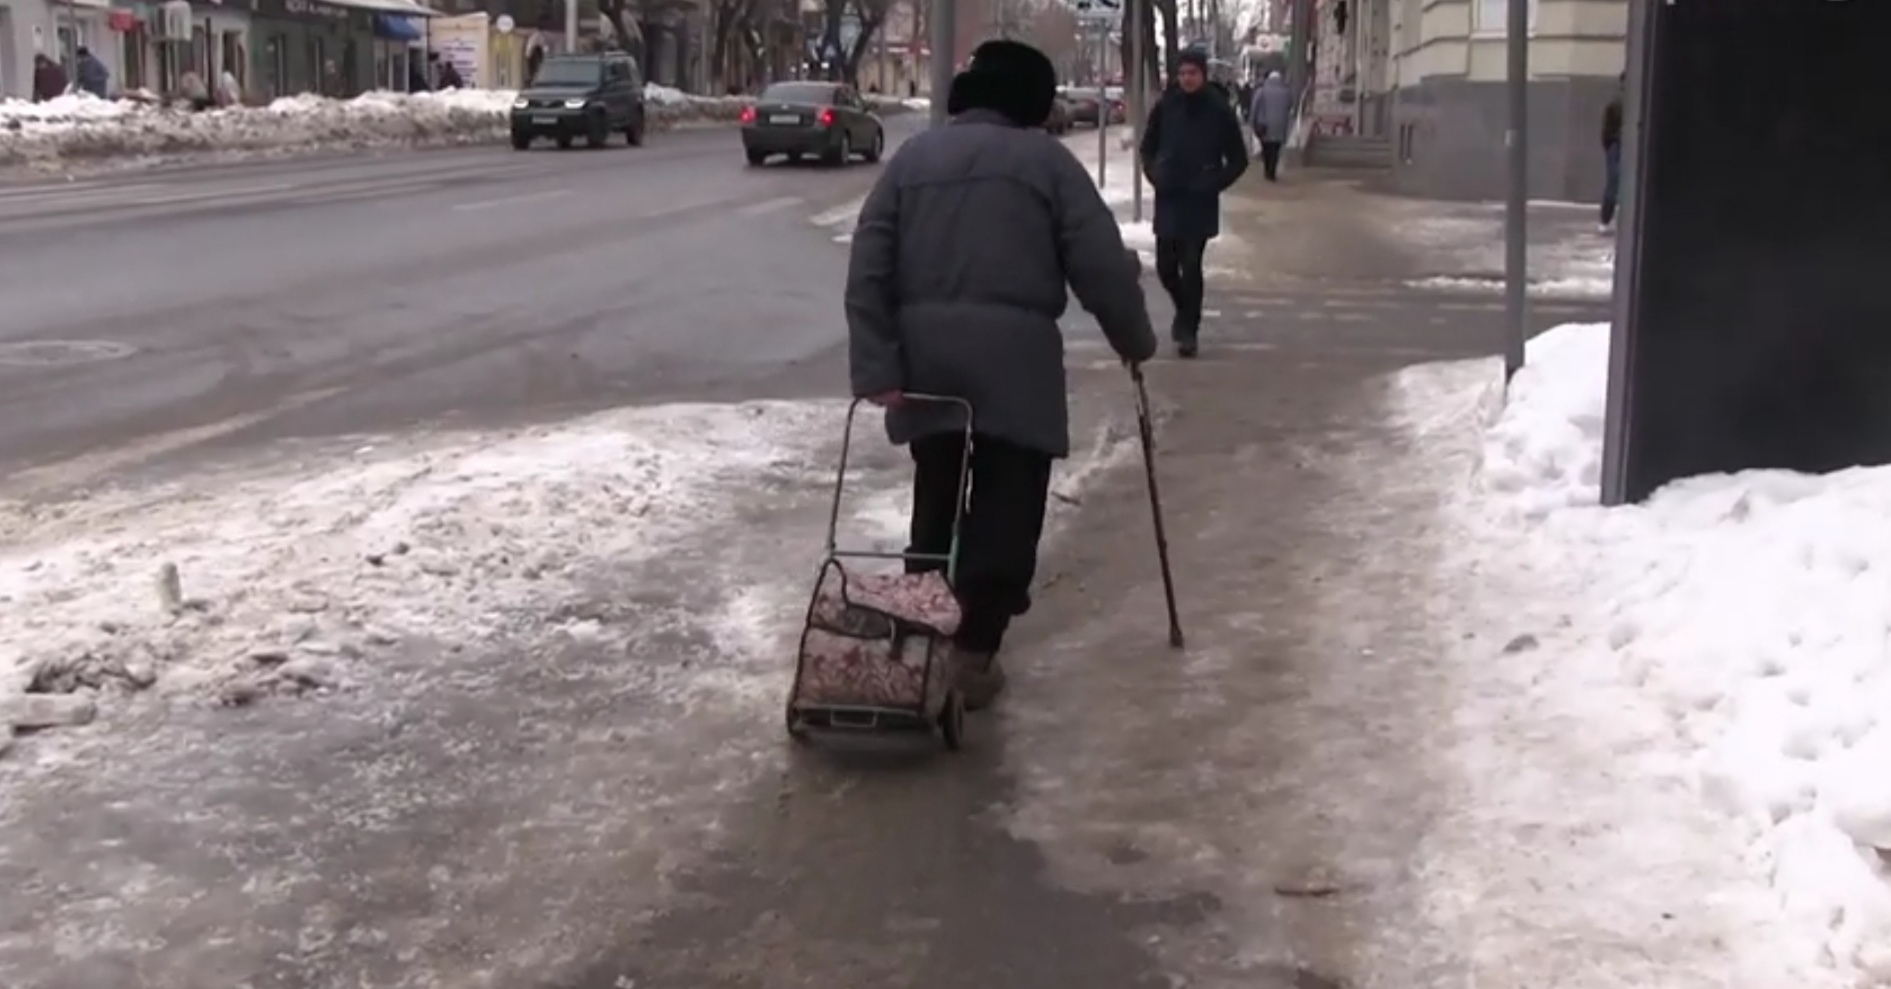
[[748, 114], [826, 118]]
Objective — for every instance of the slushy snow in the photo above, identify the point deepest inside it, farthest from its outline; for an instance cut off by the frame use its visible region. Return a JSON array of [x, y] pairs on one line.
[[1467, 254], [458, 540], [1742, 622]]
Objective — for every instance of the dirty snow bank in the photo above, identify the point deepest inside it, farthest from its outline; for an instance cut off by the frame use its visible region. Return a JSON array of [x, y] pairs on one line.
[[294, 581], [1686, 739], [83, 127]]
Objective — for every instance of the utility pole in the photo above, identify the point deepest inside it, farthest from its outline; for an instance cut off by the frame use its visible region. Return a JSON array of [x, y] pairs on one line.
[[942, 35], [1517, 203], [1138, 87]]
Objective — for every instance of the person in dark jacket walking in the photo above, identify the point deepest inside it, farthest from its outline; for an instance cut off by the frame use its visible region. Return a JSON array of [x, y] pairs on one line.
[[1612, 156], [49, 80], [957, 279], [1192, 151]]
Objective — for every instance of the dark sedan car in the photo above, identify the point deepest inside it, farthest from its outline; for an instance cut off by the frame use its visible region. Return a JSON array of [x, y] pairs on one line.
[[588, 96], [824, 119]]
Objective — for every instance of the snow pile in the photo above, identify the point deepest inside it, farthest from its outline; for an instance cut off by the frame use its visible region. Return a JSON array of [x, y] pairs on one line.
[[249, 584], [83, 127], [1751, 612]]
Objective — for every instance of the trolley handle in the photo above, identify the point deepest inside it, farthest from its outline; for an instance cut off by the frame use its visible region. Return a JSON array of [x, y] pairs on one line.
[[951, 557]]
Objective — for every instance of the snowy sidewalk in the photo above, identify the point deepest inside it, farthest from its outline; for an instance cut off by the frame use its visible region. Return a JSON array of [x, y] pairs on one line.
[[1704, 672], [1386, 755]]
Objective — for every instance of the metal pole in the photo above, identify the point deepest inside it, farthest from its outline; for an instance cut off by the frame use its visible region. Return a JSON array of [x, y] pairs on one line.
[[1137, 110], [943, 34], [1103, 123], [1517, 203], [571, 29]]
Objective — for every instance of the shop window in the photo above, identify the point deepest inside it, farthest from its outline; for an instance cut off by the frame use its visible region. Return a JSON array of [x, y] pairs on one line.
[[170, 67], [231, 50], [132, 68]]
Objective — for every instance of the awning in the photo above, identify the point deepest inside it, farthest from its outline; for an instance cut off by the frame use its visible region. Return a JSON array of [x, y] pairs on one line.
[[396, 28], [399, 8]]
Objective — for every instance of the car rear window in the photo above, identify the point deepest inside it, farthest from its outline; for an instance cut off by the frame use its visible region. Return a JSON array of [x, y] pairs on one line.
[[798, 92], [570, 72]]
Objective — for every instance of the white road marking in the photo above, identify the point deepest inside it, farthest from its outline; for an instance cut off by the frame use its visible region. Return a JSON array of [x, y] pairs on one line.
[[766, 206], [72, 190], [845, 213], [530, 197], [192, 197]]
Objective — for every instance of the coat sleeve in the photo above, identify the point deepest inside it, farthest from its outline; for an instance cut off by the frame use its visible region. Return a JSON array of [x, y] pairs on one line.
[[1234, 150], [875, 362], [1151, 143], [1102, 273]]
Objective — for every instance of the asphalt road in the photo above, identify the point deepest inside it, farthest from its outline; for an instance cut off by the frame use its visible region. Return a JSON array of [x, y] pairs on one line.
[[145, 312]]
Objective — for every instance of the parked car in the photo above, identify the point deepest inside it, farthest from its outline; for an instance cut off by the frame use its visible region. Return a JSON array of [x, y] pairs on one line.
[[824, 119], [1084, 103], [1059, 120], [589, 96]]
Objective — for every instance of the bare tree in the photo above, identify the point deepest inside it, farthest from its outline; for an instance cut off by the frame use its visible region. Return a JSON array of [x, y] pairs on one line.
[[733, 40], [1159, 61], [1054, 32], [870, 15]]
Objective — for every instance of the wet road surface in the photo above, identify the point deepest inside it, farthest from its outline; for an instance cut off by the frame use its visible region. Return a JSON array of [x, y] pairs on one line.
[[146, 311]]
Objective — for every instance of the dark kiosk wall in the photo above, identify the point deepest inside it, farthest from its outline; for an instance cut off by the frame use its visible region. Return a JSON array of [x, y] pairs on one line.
[[1757, 316]]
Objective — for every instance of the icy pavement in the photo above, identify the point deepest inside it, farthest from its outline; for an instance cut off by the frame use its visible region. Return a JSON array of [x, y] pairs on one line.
[[1463, 248], [1691, 708], [249, 581]]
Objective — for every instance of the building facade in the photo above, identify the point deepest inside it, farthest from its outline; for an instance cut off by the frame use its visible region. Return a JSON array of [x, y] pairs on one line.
[[55, 28], [1445, 85]]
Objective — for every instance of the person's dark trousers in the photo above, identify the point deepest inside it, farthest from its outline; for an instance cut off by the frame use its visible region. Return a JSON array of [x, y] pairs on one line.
[[998, 544], [1270, 159], [1612, 183], [1179, 267]]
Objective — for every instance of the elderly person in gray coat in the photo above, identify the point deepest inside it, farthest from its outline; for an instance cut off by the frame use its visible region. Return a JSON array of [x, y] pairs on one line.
[[1272, 117], [957, 279]]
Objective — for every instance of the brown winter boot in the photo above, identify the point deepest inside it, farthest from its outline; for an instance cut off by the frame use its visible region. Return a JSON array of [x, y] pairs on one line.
[[980, 677]]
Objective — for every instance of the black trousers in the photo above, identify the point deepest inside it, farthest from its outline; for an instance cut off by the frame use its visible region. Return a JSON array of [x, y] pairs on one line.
[[1003, 523], [1179, 268], [1270, 159]]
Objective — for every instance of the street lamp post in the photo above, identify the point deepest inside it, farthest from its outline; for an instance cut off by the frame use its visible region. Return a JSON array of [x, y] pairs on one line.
[[942, 32], [1138, 86], [1517, 202]]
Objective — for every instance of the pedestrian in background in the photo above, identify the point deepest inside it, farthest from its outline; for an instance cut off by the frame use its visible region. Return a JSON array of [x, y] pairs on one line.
[[964, 258], [1612, 156], [49, 80], [1192, 151], [1272, 118], [93, 76]]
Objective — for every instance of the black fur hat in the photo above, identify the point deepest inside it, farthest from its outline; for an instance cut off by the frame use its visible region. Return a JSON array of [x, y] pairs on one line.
[[1010, 77]]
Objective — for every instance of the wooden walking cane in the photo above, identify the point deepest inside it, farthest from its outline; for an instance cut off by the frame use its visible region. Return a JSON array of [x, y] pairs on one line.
[[1146, 428]]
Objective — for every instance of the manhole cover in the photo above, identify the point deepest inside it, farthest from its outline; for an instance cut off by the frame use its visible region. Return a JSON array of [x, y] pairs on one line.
[[43, 353]]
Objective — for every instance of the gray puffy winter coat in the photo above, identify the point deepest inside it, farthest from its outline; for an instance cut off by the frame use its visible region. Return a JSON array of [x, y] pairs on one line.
[[958, 277]]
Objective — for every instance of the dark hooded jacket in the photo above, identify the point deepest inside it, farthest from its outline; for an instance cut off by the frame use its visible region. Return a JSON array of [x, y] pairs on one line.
[[1192, 151], [965, 256]]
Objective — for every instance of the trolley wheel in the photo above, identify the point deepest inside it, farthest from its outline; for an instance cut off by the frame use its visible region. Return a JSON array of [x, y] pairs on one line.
[[793, 724], [952, 721]]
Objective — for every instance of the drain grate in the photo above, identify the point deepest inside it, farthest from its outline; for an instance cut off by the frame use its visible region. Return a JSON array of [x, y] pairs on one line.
[[52, 353]]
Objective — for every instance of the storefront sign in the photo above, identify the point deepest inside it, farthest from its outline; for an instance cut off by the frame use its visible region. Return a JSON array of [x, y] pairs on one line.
[[314, 8]]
